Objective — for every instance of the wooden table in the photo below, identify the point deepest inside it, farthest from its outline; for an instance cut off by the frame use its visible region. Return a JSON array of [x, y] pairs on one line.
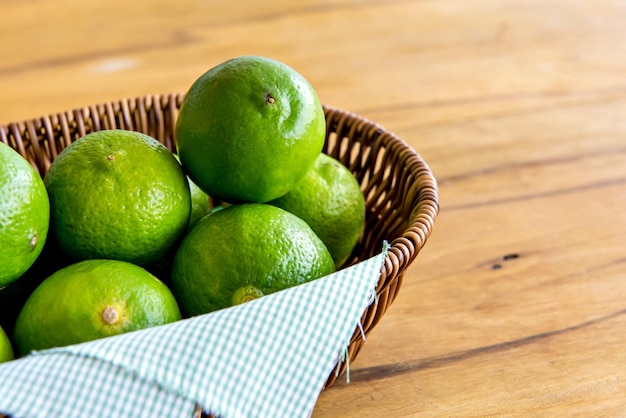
[[517, 304]]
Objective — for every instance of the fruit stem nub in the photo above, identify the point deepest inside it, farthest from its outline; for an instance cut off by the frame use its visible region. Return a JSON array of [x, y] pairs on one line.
[[268, 98], [110, 315], [33, 241], [246, 294]]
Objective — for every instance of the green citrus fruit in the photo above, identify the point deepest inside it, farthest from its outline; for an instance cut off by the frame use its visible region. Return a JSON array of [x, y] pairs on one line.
[[92, 299], [117, 194], [6, 349], [243, 252], [200, 202], [249, 129], [330, 200], [24, 215]]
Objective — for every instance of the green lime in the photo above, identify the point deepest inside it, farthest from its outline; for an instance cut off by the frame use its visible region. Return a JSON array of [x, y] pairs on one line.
[[24, 215], [117, 194], [92, 299], [249, 129], [200, 202], [330, 200], [6, 349], [243, 252]]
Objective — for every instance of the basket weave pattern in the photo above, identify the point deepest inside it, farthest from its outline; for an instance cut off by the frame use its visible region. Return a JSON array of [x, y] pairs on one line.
[[400, 190]]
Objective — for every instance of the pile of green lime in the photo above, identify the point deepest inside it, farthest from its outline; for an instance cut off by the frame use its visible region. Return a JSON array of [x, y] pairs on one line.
[[123, 234]]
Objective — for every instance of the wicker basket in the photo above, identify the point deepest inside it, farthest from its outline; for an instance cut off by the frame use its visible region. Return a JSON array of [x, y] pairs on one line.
[[400, 190]]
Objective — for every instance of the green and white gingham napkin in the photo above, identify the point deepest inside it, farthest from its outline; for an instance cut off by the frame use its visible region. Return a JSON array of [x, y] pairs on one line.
[[266, 358]]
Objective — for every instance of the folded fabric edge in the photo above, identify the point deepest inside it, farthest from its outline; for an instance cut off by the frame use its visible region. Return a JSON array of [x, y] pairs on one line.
[[341, 356], [344, 356], [43, 378]]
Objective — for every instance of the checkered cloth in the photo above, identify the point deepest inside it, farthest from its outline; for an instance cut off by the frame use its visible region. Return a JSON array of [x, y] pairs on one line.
[[268, 358]]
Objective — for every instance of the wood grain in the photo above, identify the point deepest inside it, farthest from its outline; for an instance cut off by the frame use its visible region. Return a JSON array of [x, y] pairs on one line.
[[517, 304]]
